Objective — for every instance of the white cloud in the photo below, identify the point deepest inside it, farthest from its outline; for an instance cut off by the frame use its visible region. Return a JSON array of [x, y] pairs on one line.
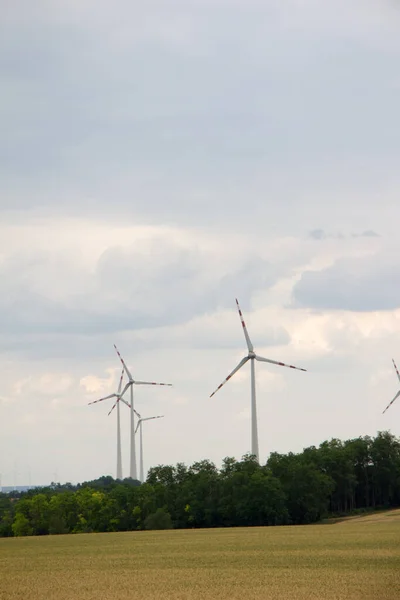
[[46, 384], [93, 384]]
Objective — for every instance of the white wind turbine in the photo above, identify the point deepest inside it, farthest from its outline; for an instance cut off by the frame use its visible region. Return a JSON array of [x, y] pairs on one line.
[[398, 393], [118, 397], [140, 425], [252, 356], [131, 383]]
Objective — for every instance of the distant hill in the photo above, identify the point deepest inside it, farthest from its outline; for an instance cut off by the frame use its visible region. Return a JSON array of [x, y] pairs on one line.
[[6, 489]]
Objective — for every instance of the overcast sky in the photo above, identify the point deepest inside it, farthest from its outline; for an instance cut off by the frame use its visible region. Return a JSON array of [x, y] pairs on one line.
[[159, 159]]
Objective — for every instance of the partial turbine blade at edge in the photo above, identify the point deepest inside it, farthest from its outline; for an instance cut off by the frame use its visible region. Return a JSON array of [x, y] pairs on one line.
[[390, 403], [127, 371], [246, 334], [101, 399], [152, 383], [280, 364], [397, 371], [235, 370]]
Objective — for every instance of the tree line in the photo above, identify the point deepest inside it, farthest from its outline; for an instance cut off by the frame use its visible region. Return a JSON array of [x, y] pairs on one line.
[[335, 478]]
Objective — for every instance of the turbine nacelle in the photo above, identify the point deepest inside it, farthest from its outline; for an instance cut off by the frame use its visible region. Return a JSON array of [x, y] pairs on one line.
[[140, 421]]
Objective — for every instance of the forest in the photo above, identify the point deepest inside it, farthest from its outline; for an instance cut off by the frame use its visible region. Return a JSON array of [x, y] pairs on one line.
[[334, 479]]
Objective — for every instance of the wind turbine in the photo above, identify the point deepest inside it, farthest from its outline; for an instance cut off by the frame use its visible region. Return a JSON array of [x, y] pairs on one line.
[[252, 356], [131, 383], [118, 397], [398, 393], [140, 425]]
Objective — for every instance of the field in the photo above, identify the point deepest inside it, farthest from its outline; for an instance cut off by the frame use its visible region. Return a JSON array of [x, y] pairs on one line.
[[355, 559]]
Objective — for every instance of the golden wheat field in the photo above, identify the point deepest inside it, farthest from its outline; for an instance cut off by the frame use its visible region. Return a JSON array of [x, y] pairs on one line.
[[355, 559]]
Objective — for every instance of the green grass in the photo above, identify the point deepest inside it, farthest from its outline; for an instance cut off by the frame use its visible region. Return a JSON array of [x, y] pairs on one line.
[[355, 559]]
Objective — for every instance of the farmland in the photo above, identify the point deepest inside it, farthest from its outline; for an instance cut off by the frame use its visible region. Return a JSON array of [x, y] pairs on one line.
[[357, 558]]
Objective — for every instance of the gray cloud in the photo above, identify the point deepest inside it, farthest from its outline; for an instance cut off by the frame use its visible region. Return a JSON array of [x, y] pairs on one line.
[[148, 113], [317, 234], [355, 284], [320, 234], [368, 234], [156, 283], [72, 347]]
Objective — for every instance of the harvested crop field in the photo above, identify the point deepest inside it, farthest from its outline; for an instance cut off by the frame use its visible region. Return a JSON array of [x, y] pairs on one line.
[[353, 559]]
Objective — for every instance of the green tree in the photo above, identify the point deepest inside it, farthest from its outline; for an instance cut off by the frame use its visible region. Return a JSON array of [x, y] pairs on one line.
[[39, 514], [137, 516], [63, 508], [6, 522], [307, 489], [21, 526], [385, 457], [161, 519], [251, 495]]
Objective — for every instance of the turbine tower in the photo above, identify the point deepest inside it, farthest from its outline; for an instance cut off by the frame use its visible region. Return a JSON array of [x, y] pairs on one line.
[[398, 393], [252, 356], [130, 384], [118, 397], [140, 426]]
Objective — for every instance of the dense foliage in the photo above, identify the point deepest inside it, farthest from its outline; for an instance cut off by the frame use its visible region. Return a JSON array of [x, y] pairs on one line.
[[335, 478]]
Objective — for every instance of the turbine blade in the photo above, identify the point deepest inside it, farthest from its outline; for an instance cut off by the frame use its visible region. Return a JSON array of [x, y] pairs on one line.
[[240, 365], [151, 383], [138, 425], [280, 364], [137, 414], [390, 403], [125, 402], [125, 388], [120, 382], [246, 335], [114, 405], [150, 418], [397, 371], [101, 399], [123, 364]]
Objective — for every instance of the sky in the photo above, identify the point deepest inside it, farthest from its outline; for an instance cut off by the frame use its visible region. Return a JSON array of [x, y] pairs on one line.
[[160, 159]]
